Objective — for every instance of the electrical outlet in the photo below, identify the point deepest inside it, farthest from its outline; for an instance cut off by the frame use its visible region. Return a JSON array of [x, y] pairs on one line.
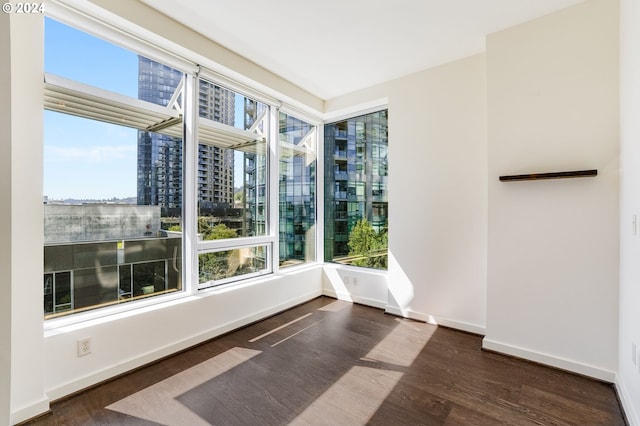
[[84, 346], [634, 353], [350, 280]]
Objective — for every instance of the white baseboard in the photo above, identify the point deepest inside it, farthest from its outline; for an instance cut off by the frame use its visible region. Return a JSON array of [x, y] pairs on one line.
[[143, 359], [551, 360], [381, 304], [30, 411], [436, 320], [633, 417]]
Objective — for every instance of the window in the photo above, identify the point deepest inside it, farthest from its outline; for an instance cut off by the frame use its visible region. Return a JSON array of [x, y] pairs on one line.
[[112, 190], [233, 186], [356, 215], [297, 191]]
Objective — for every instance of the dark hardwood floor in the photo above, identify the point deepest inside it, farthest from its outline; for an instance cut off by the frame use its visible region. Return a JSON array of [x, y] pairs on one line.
[[329, 362]]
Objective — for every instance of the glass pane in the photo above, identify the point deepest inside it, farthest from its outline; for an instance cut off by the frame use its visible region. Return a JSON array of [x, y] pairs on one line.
[[48, 294], [113, 194], [149, 278], [125, 282], [356, 203], [232, 166], [62, 291], [221, 265], [297, 191], [106, 207], [78, 56]]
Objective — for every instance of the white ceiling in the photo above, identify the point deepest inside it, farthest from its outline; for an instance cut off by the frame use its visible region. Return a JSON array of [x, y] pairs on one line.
[[333, 47]]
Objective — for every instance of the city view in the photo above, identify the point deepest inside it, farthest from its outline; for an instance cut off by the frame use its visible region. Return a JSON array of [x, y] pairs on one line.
[[115, 173]]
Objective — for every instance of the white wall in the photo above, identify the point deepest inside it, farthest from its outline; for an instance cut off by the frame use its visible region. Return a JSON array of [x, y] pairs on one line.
[[628, 370], [21, 124], [5, 225], [437, 192], [552, 87], [438, 195], [354, 284]]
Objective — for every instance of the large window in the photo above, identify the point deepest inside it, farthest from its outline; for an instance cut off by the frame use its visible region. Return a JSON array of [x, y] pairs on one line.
[[356, 214], [158, 179]]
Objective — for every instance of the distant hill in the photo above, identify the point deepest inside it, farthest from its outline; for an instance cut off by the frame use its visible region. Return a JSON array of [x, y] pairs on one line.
[[114, 200]]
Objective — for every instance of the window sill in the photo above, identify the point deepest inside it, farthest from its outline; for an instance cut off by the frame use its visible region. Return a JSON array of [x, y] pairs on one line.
[[88, 319]]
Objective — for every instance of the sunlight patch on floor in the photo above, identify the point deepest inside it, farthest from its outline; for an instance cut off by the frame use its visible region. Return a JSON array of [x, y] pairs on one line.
[[255, 339], [365, 388], [158, 403], [295, 334], [336, 306], [411, 340]]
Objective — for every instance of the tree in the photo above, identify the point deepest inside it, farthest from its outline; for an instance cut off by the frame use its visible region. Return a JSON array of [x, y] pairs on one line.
[[219, 232], [208, 232], [220, 264], [367, 246], [362, 238], [204, 228]]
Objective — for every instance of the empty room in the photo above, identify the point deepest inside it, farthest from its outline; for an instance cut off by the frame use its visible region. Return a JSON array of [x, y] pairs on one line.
[[341, 213]]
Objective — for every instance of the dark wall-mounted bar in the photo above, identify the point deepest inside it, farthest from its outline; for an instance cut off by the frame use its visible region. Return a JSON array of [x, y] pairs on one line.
[[554, 175]]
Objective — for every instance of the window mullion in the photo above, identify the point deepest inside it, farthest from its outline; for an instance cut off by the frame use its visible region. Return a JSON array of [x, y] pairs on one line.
[[320, 200], [189, 202], [274, 200]]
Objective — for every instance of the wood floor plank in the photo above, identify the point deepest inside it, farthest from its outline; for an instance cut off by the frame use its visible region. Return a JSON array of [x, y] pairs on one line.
[[555, 405], [329, 362]]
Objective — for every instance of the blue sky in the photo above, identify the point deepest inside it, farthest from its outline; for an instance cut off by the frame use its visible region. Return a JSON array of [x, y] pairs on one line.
[[86, 159]]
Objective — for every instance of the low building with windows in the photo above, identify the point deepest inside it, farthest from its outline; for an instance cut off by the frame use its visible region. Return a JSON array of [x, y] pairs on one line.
[[97, 255]]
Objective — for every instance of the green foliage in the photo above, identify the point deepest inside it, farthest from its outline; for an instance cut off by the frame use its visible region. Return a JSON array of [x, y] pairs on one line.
[[362, 238], [367, 246], [213, 266], [219, 232], [220, 264], [208, 232], [204, 228]]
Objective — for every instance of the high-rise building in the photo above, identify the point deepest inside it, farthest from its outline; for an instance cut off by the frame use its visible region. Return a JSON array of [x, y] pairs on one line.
[[215, 165], [297, 194], [160, 156], [254, 178]]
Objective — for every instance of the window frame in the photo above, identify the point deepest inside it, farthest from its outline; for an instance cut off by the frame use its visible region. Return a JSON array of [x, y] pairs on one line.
[[269, 238]]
